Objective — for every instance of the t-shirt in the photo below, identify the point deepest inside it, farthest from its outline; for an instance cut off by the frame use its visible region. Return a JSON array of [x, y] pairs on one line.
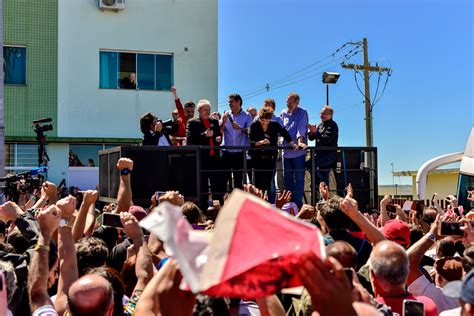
[[46, 310], [396, 303]]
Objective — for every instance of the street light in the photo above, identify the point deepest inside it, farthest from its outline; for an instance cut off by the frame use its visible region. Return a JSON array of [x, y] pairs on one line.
[[393, 180], [330, 78]]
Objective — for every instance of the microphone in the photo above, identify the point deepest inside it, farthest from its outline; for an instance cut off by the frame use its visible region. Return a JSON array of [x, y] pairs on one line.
[[45, 120], [38, 170]]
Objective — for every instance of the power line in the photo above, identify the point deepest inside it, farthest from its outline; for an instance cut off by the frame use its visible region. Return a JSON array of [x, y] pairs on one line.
[[283, 83], [302, 71]]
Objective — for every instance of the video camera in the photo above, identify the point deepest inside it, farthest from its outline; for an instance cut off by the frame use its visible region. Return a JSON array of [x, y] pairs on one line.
[[25, 182], [40, 127]]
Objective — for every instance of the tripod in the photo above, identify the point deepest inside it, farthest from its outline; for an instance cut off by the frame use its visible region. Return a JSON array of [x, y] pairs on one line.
[[41, 139]]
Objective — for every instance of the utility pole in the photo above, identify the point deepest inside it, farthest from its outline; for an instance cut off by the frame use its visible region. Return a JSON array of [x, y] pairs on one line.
[[367, 68]]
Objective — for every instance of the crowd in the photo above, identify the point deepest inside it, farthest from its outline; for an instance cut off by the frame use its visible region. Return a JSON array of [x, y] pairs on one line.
[[63, 252], [59, 256], [260, 132]]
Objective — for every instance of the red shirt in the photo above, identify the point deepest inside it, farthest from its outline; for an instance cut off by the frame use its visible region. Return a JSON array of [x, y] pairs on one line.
[[182, 121], [396, 303], [207, 124]]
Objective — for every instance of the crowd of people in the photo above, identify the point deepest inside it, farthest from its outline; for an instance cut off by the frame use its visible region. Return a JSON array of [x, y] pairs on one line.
[[59, 255], [260, 131], [64, 252]]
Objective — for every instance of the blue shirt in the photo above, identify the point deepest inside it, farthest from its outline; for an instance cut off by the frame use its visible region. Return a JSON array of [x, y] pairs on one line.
[[277, 119], [235, 137], [296, 124]]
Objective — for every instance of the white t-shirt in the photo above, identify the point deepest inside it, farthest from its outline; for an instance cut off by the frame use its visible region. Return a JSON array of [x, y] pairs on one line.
[[46, 310], [423, 287]]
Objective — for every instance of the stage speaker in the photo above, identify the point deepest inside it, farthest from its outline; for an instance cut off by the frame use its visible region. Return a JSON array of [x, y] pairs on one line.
[[154, 169]]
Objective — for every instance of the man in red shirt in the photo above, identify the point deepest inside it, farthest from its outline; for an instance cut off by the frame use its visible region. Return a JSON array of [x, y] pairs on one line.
[[388, 264], [184, 114]]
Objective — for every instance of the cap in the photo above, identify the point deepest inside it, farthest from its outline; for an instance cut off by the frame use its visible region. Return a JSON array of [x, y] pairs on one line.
[[461, 289], [450, 268], [138, 212], [397, 231]]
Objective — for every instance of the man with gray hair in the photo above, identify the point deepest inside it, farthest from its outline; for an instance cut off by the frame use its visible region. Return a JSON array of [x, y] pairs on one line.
[[388, 264], [205, 131]]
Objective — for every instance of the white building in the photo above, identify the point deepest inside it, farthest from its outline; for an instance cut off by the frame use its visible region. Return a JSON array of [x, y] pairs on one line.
[[164, 42]]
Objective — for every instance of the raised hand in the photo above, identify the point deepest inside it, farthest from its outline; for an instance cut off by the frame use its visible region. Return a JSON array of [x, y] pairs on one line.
[[10, 211], [125, 163], [349, 206], [90, 196], [324, 191], [312, 128], [67, 206], [172, 197], [49, 220], [350, 191], [131, 227], [282, 198], [327, 284], [307, 212], [452, 200]]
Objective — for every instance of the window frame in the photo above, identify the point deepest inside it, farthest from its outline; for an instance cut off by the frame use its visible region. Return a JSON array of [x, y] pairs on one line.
[[136, 52], [26, 66]]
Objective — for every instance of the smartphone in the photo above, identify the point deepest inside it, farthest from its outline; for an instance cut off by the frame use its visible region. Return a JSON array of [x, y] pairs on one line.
[[391, 208], [413, 308], [110, 220], [450, 229], [433, 198], [349, 272], [417, 206]]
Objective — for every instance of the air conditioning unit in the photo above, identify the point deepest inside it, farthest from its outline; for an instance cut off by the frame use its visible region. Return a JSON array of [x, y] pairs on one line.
[[112, 5]]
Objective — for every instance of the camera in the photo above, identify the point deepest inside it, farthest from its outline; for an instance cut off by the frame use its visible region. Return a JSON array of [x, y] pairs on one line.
[[40, 127]]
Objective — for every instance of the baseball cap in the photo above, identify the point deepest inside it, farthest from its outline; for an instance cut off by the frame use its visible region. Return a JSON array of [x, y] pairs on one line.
[[461, 289], [397, 231], [450, 268], [138, 212]]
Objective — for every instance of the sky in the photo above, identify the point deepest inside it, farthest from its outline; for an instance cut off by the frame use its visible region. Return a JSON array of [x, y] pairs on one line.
[[427, 106]]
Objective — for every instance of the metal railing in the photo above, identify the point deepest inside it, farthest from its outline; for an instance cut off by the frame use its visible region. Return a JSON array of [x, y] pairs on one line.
[[180, 168]]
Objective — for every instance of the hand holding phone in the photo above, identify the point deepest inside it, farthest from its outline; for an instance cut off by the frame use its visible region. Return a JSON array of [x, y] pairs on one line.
[[451, 229], [413, 308], [110, 220]]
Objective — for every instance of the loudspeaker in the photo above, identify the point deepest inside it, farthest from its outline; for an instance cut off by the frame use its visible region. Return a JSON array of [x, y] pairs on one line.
[[154, 169]]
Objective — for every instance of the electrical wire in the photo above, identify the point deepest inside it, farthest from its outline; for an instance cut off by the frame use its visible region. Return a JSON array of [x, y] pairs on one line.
[[303, 71]]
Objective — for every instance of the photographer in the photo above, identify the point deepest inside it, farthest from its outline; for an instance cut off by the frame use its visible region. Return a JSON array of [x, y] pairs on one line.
[[155, 132]]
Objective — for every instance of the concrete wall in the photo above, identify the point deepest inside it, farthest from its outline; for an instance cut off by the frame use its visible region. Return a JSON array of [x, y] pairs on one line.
[[59, 163], [443, 184], [32, 24], [166, 26]]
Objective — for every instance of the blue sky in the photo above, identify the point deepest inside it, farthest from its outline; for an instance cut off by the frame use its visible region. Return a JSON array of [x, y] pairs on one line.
[[427, 107]]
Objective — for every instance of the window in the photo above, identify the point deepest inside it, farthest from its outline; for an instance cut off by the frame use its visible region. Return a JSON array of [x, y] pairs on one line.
[[22, 156], [84, 155], [142, 71], [14, 65], [108, 70]]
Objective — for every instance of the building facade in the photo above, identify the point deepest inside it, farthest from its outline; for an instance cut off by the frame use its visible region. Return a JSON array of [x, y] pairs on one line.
[[70, 60], [441, 181]]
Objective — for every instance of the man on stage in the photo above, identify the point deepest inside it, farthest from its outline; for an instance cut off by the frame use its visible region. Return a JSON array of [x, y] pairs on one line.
[[326, 134], [205, 131]]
